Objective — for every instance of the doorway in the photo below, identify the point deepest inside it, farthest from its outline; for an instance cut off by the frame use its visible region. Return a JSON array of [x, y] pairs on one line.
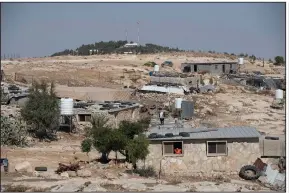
[[224, 69], [195, 68]]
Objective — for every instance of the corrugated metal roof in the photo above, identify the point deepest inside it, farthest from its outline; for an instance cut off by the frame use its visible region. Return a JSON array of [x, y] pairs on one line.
[[216, 133]]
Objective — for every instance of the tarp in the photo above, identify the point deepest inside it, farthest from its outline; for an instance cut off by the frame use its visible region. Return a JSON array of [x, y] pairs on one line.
[[169, 89]]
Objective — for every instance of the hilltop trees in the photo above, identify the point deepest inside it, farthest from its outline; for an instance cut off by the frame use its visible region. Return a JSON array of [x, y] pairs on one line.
[[116, 47], [279, 60], [127, 139], [41, 111]]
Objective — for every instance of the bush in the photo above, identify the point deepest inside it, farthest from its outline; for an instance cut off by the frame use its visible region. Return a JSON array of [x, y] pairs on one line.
[[150, 64], [13, 132], [146, 172]]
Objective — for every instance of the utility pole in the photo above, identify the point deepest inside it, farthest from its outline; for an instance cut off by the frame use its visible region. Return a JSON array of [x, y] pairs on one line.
[[126, 35], [263, 62], [138, 32]]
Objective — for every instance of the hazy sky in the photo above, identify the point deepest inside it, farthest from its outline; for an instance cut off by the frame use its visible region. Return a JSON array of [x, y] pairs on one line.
[[41, 29]]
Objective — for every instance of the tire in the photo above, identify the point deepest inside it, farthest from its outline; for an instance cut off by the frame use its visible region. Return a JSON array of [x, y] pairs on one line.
[[41, 169], [169, 135], [153, 135], [184, 134], [249, 172]]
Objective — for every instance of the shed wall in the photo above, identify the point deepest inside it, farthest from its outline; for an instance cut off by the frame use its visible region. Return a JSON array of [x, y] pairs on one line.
[[213, 69], [195, 160]]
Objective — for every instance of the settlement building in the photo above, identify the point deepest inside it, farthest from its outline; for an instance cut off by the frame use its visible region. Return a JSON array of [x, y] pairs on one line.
[[116, 111], [203, 151], [216, 68]]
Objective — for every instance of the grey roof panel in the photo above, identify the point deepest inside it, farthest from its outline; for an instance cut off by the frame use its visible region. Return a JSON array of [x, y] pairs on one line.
[[219, 133]]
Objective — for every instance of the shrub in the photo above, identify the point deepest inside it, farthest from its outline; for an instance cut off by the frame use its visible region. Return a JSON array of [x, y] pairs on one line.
[[146, 172], [211, 81], [150, 64], [13, 132]]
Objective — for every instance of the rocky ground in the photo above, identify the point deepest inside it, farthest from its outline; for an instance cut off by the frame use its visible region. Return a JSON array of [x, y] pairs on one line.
[[108, 177]]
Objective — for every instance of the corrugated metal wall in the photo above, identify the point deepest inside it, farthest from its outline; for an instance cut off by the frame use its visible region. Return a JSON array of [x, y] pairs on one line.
[[187, 109]]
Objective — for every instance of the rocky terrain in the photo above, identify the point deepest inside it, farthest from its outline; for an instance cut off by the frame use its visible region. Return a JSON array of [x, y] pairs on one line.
[[229, 106]]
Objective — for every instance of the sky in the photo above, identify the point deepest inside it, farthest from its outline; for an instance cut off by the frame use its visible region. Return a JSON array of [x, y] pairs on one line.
[[41, 29]]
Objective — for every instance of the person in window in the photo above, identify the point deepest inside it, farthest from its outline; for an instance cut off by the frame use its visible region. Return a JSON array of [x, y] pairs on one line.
[[162, 117], [178, 151]]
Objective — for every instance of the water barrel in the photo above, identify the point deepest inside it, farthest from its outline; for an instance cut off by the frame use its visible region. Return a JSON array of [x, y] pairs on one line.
[[279, 94], [151, 73], [241, 61], [156, 68], [178, 103], [66, 106]]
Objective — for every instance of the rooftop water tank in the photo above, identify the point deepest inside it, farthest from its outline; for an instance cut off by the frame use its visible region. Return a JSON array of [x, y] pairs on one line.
[[156, 68], [279, 94], [178, 103], [66, 106], [241, 61]]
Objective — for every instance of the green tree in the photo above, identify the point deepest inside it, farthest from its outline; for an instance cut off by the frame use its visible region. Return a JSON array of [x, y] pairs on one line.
[[137, 149], [279, 60], [270, 61], [106, 139], [41, 111]]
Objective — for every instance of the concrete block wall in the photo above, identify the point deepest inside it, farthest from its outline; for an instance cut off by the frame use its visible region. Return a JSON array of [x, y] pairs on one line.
[[195, 162]]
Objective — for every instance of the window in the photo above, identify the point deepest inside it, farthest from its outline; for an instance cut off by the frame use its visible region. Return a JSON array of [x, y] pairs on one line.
[[84, 118], [173, 148], [216, 148], [216, 67]]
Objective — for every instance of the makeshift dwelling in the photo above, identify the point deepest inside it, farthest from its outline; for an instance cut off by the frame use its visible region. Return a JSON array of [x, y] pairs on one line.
[[203, 151], [216, 68]]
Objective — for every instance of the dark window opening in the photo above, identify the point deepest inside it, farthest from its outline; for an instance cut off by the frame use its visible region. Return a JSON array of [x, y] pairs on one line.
[[187, 69], [224, 68], [84, 118], [216, 148], [173, 148], [195, 68], [216, 67]]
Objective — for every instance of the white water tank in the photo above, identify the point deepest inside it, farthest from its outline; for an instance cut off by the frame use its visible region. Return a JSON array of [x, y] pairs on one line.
[[178, 103], [279, 94], [241, 61], [66, 106], [156, 68]]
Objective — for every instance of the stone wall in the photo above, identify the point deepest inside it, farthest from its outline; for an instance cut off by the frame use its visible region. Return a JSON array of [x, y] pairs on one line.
[[195, 161], [115, 118]]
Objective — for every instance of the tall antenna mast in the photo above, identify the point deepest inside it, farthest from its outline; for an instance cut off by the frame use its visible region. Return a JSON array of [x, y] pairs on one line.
[[126, 34], [138, 32]]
